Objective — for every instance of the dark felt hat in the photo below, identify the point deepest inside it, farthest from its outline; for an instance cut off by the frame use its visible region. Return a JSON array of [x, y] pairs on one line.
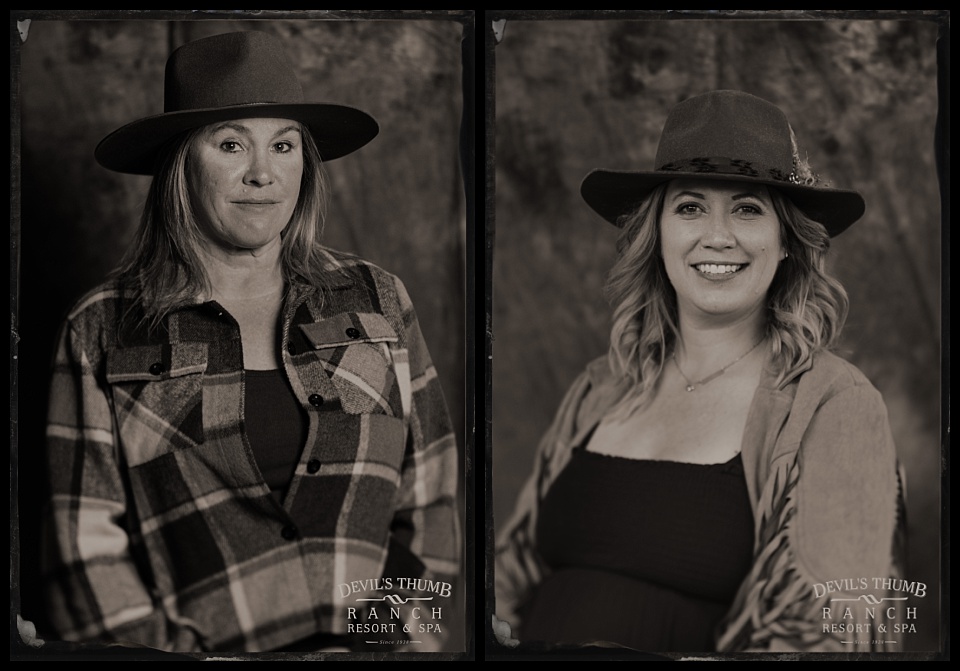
[[724, 135], [232, 76]]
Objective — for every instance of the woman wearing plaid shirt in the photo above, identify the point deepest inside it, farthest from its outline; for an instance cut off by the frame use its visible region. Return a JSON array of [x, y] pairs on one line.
[[248, 445]]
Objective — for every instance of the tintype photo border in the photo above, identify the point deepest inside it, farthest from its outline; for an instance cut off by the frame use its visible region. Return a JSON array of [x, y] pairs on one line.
[[61, 651], [496, 27]]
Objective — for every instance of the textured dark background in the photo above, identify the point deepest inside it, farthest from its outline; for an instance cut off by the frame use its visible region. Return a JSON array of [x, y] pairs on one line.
[[399, 202], [573, 95]]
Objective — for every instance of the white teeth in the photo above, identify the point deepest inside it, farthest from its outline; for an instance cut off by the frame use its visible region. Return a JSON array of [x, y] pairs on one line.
[[718, 269]]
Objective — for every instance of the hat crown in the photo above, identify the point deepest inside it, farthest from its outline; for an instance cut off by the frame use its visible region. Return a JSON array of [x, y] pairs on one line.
[[240, 68], [730, 125], [723, 136], [236, 75]]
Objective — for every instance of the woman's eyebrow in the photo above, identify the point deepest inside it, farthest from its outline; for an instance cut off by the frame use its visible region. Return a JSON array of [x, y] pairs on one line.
[[240, 128], [747, 194], [288, 129], [231, 125], [692, 194]]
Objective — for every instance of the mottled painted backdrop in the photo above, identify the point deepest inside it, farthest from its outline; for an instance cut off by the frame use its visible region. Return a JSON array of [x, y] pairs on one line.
[[398, 202], [576, 95]]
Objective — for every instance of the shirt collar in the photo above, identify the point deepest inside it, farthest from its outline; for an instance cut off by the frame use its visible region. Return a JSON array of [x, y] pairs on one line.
[[339, 277]]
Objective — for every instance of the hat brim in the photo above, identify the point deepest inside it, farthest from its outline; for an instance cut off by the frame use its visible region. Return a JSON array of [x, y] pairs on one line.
[[613, 193], [337, 130]]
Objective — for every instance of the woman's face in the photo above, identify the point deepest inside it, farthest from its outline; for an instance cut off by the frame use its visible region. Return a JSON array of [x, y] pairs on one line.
[[244, 179], [721, 247]]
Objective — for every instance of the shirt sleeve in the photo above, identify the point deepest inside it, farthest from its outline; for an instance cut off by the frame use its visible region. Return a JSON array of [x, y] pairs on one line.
[[826, 533], [425, 533], [518, 567], [93, 588]]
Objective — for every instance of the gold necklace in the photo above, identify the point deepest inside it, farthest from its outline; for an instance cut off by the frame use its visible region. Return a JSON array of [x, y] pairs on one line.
[[699, 383]]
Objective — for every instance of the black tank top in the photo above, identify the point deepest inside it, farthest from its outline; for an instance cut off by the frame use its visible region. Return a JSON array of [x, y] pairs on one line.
[[276, 427]]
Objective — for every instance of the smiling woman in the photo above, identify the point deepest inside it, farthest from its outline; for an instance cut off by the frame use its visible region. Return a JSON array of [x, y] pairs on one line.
[[242, 420], [685, 498], [721, 248]]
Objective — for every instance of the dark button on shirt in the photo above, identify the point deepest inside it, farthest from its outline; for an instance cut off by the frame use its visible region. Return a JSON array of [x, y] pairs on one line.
[[316, 400], [291, 348], [353, 333], [157, 368], [313, 466], [289, 532]]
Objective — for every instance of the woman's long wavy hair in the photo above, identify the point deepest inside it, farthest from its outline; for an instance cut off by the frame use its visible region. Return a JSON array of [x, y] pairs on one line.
[[806, 307], [163, 266]]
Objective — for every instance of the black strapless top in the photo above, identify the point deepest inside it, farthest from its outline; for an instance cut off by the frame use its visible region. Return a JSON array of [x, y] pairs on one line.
[[647, 554]]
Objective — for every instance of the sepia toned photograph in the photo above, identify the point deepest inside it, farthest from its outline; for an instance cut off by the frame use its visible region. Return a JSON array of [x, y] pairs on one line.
[[716, 334], [240, 301]]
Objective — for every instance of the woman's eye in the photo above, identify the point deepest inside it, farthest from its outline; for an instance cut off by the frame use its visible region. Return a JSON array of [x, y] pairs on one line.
[[283, 147], [689, 208], [747, 208], [230, 146]]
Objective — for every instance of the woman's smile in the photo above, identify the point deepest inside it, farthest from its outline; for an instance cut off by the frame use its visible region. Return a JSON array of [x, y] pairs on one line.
[[720, 243], [719, 271]]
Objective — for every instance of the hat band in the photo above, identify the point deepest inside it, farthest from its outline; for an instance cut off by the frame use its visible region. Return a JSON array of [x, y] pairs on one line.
[[721, 165]]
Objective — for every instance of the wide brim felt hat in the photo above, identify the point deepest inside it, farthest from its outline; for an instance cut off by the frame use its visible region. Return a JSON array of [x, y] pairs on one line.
[[725, 136], [232, 76]]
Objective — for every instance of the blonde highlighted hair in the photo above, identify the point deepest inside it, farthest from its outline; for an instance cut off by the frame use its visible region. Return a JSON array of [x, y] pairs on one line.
[[806, 307], [163, 265]]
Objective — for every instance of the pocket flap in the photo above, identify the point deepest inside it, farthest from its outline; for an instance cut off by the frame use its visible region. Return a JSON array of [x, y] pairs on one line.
[[349, 328], [156, 362]]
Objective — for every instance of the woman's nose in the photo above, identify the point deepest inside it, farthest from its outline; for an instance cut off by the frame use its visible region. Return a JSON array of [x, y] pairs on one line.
[[718, 233], [259, 171]]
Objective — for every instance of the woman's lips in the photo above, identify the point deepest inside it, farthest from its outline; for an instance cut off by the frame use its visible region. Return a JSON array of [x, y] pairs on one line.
[[719, 270], [251, 206]]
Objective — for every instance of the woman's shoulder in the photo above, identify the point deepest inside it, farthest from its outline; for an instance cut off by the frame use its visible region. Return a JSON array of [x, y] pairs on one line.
[[594, 376], [832, 374], [352, 267], [91, 322], [346, 270], [593, 392], [100, 304], [356, 285]]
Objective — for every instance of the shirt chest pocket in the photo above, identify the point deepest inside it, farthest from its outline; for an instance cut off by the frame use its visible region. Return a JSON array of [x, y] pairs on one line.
[[357, 350], [157, 393]]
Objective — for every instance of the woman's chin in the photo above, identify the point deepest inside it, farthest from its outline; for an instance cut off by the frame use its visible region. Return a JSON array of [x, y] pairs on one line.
[[725, 311], [248, 246]]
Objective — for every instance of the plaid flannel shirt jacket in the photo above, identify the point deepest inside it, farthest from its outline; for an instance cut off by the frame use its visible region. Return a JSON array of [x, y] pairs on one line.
[[161, 529]]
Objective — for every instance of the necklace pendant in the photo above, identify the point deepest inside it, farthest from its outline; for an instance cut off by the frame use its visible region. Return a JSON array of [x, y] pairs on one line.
[[690, 387]]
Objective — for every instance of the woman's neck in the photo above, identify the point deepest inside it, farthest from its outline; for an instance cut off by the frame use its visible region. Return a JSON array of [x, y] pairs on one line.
[[243, 275], [703, 347]]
